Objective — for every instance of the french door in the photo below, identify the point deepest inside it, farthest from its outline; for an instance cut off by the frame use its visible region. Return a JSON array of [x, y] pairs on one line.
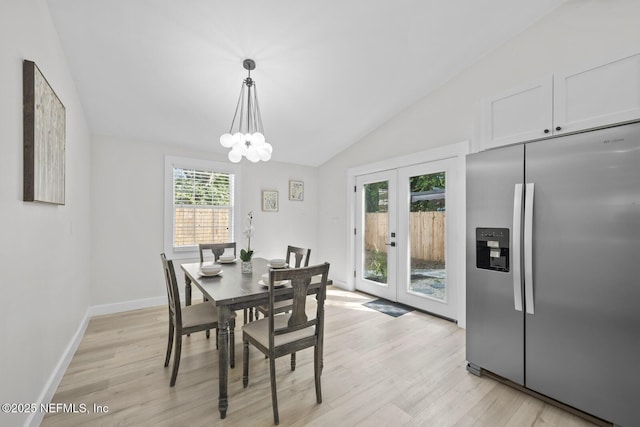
[[404, 239], [376, 257]]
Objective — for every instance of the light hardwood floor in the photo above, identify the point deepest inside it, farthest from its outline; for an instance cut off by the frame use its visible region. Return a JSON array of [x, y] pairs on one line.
[[378, 371]]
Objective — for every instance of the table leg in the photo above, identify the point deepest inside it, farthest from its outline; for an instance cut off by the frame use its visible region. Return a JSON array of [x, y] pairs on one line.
[[187, 290], [223, 358]]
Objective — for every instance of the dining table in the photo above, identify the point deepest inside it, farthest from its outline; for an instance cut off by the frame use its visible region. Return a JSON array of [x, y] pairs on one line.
[[232, 290]]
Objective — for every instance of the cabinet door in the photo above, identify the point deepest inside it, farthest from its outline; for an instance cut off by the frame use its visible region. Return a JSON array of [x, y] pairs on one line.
[[518, 115], [597, 96]]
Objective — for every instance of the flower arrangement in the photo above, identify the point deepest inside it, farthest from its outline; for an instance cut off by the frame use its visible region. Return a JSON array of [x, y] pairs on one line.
[[245, 255]]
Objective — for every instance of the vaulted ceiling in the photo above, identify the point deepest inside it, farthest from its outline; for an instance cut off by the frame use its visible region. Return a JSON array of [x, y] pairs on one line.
[[328, 72]]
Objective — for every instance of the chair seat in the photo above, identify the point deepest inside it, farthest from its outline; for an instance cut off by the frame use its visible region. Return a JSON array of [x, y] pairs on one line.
[[259, 331], [200, 314]]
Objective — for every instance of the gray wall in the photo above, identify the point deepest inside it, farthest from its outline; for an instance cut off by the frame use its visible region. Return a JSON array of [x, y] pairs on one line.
[[45, 250], [127, 220]]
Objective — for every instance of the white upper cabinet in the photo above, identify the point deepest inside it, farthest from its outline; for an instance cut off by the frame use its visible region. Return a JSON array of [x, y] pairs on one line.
[[518, 115], [598, 96]]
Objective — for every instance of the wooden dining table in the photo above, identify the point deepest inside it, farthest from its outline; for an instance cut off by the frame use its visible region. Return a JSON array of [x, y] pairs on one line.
[[233, 290]]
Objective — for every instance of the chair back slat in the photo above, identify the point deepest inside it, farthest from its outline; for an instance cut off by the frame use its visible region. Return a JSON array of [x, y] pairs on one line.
[[216, 249], [172, 289], [299, 301], [300, 254]]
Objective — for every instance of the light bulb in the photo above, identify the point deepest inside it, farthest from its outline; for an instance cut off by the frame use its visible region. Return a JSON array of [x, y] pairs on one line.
[[234, 156], [265, 155], [252, 155], [257, 139], [226, 140]]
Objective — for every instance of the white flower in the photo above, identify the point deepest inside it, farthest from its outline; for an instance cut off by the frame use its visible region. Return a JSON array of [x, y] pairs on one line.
[[248, 231]]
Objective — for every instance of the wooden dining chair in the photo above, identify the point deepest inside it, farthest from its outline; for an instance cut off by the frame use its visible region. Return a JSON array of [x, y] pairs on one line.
[[299, 256], [284, 334], [189, 319], [216, 248]]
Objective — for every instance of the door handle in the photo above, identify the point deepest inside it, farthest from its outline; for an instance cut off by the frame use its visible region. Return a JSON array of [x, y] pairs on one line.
[[393, 244], [528, 248], [515, 258]]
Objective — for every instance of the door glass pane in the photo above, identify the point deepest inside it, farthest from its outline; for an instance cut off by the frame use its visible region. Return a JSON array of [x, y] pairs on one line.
[[376, 230], [427, 235]]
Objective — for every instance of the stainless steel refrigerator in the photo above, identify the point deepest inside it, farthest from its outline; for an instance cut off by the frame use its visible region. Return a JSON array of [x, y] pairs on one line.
[[553, 268]]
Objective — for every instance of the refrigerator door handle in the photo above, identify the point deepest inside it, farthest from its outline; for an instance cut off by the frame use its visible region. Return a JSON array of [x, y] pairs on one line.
[[515, 259], [528, 248]]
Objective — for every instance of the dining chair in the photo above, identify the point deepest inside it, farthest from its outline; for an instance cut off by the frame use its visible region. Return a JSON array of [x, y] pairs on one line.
[[300, 255], [217, 249], [284, 334], [189, 319]]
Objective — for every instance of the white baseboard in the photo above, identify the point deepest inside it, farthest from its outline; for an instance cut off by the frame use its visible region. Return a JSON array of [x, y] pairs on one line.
[[342, 285], [35, 418], [52, 384], [118, 307]]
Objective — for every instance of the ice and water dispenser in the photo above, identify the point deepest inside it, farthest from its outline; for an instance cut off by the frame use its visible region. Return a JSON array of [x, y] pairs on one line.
[[492, 249]]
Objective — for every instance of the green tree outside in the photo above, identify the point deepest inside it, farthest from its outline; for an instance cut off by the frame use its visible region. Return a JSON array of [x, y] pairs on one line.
[[201, 188], [375, 194]]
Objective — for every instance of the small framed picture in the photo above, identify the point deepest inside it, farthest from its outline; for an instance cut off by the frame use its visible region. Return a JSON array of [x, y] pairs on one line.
[[296, 190], [269, 201]]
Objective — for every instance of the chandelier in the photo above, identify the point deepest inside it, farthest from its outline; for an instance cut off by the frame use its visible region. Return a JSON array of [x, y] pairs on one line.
[[247, 138]]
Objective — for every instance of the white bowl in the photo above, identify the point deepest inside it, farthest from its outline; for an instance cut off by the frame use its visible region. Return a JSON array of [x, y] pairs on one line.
[[211, 268], [226, 258], [277, 262]]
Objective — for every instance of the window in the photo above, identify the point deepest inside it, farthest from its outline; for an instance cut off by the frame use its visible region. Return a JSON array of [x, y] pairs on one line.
[[203, 207], [199, 204]]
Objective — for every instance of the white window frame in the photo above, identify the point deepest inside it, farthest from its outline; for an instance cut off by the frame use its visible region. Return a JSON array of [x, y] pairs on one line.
[[171, 162]]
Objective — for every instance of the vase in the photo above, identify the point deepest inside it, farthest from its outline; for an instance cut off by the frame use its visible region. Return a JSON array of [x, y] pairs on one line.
[[247, 267]]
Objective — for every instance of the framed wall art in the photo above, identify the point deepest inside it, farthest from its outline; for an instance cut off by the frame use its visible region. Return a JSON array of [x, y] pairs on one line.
[[296, 190], [269, 201], [44, 131]]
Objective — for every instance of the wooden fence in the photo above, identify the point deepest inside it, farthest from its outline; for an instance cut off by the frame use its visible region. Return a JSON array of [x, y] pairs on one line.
[[427, 231], [194, 225]]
